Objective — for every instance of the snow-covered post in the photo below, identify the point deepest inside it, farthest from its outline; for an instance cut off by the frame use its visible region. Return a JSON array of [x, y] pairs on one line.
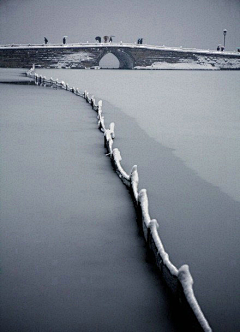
[[88, 99], [100, 106], [111, 128], [143, 207], [86, 96], [44, 80], [134, 180], [108, 142], [30, 73], [36, 78], [186, 281], [101, 125], [67, 87], [51, 82], [40, 80], [168, 271], [63, 85], [153, 225], [92, 102], [118, 167]]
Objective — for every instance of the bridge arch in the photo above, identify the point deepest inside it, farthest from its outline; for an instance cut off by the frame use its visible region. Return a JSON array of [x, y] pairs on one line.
[[109, 60], [126, 60]]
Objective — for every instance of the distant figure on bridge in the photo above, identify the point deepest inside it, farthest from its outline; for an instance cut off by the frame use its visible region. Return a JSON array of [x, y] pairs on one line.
[[220, 48], [111, 39], [45, 40], [64, 40], [140, 40], [99, 39], [106, 39]]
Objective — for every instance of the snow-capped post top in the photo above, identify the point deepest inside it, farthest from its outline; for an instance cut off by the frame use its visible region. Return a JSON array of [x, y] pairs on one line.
[[184, 275], [100, 104], [134, 179], [117, 158], [143, 199], [134, 174], [111, 127], [143, 196], [107, 134], [153, 223], [117, 154]]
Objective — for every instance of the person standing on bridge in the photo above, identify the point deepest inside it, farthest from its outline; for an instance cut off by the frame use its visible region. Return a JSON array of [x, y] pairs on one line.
[[45, 40], [98, 39], [64, 40]]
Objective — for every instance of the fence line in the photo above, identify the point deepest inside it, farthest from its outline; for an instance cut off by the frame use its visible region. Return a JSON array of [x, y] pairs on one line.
[[178, 280]]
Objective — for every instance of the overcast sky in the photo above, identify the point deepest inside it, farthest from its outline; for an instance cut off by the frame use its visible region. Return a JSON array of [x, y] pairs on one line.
[[187, 23]]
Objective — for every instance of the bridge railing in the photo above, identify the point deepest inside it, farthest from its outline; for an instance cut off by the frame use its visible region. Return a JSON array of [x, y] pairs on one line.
[[179, 281], [236, 53]]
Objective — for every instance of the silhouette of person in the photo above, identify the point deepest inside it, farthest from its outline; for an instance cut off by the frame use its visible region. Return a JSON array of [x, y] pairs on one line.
[[45, 40], [98, 39]]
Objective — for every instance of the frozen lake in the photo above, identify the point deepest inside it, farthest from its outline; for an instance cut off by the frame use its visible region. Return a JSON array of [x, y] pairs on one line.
[[192, 112], [182, 129]]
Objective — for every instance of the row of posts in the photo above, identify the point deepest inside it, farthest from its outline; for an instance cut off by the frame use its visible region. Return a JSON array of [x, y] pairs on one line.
[[178, 280]]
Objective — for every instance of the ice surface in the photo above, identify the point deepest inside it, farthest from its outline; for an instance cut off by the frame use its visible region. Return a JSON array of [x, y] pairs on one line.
[[64, 264]]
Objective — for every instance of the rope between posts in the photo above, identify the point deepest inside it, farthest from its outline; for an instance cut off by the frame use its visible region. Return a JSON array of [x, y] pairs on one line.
[[179, 280]]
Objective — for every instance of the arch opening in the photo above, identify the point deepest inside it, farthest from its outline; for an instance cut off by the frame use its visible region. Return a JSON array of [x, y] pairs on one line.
[[126, 61], [109, 61]]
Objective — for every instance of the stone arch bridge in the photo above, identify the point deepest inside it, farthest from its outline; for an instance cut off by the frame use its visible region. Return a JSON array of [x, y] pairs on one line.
[[130, 56]]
